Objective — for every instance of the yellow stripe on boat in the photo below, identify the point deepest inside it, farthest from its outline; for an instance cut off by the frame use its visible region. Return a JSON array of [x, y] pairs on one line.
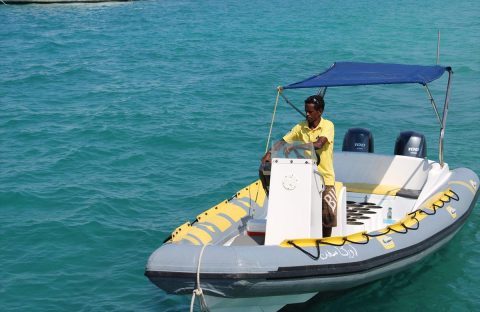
[[210, 212], [191, 239], [468, 186], [397, 227], [302, 242], [234, 212], [218, 221], [434, 199], [253, 192], [335, 240], [357, 237], [257, 193], [200, 234], [378, 189], [246, 195], [180, 232], [246, 202], [410, 221]]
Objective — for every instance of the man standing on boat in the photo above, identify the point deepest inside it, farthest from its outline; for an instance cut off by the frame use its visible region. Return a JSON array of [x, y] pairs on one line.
[[320, 132]]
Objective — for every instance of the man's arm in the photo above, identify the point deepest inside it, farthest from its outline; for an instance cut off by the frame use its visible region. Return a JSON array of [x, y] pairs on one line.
[[276, 146], [320, 142], [316, 145]]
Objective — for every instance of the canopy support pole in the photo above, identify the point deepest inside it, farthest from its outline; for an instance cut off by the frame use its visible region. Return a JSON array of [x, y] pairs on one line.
[[444, 119], [293, 106], [279, 92], [434, 105], [322, 91], [438, 46]]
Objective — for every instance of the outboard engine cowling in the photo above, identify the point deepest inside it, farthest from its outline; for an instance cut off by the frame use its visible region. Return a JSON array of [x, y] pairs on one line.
[[410, 143], [358, 140]]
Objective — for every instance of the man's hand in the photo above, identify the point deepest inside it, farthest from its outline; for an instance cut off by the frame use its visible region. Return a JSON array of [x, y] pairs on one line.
[[287, 150]]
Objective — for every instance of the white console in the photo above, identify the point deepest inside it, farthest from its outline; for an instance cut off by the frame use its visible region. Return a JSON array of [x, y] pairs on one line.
[[295, 200]]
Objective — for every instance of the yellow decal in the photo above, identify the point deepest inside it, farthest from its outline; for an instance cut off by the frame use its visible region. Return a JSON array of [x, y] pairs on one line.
[[200, 234], [452, 211], [246, 201], [386, 241], [235, 212], [219, 222], [210, 228]]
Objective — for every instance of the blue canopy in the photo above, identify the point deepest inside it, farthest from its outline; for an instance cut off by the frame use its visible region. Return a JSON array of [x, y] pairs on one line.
[[355, 74]]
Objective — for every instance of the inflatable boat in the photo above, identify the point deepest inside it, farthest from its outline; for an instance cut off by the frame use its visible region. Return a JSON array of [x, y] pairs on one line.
[[263, 248]]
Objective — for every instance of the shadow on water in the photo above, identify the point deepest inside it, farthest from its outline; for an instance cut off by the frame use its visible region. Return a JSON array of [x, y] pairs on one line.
[[317, 300], [382, 294]]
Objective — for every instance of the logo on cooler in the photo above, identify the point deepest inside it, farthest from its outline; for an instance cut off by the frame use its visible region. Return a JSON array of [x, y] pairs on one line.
[[290, 182]]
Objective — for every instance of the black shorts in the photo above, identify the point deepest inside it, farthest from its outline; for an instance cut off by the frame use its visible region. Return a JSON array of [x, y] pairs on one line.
[[329, 207]]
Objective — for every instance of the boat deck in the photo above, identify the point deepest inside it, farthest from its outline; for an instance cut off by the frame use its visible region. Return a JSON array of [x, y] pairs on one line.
[[362, 212]]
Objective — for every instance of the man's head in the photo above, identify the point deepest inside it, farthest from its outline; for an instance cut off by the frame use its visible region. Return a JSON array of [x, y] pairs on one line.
[[314, 106]]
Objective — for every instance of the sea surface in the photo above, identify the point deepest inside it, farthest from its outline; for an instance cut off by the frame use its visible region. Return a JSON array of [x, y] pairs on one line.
[[121, 121]]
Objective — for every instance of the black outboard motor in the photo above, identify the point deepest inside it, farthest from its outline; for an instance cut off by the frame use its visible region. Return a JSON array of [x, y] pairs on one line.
[[410, 143], [358, 140]]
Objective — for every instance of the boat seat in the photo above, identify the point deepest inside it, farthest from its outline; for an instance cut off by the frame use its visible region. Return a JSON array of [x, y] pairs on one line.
[[392, 175], [378, 189], [389, 190]]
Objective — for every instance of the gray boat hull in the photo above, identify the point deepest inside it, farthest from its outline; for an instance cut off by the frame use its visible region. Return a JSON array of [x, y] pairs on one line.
[[262, 271]]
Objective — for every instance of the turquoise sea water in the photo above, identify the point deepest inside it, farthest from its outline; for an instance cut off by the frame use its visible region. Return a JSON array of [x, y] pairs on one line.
[[120, 121]]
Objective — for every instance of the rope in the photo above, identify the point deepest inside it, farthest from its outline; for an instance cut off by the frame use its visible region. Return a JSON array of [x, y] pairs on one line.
[[198, 292], [389, 229], [273, 118], [317, 244]]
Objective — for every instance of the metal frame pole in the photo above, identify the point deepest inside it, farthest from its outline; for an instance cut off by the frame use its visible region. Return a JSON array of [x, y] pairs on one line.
[[322, 91], [438, 46], [293, 106], [444, 119], [434, 105]]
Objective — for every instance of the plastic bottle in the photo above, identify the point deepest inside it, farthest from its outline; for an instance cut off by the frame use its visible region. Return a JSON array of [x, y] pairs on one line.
[[389, 213]]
